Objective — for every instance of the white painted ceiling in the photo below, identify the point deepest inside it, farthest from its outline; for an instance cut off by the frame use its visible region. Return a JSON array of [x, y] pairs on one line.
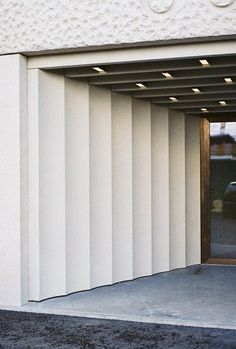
[[191, 87]]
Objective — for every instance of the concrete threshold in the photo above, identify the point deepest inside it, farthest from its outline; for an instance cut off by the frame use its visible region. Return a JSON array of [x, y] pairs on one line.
[[198, 296]]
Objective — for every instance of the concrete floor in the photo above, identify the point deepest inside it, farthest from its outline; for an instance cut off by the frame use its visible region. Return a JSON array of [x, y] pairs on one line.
[[202, 295]]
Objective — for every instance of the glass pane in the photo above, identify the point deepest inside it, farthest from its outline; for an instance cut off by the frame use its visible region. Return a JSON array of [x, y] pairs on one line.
[[223, 189]]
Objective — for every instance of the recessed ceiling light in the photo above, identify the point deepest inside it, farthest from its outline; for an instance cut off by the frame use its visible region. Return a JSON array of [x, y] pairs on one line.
[[196, 90], [228, 80], [140, 85], [99, 70], [204, 62], [173, 99], [222, 103], [204, 110], [167, 75]]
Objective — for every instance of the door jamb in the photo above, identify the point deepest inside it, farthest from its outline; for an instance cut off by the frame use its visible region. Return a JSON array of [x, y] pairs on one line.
[[205, 191]]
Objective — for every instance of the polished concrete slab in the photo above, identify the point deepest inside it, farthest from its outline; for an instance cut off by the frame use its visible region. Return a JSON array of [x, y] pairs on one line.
[[200, 295]]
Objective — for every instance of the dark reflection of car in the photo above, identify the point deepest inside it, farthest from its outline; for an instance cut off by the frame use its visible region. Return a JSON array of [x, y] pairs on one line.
[[229, 201]]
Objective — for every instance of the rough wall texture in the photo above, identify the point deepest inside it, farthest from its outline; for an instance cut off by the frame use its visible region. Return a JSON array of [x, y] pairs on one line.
[[39, 25]]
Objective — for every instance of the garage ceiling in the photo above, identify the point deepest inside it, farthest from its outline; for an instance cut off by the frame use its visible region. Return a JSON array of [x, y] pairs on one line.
[[198, 86]]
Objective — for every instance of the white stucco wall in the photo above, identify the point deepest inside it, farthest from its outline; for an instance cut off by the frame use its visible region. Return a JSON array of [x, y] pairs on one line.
[[41, 25], [13, 180]]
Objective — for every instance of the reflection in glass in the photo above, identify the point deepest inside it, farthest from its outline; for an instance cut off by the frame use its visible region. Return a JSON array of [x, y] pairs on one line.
[[223, 189]]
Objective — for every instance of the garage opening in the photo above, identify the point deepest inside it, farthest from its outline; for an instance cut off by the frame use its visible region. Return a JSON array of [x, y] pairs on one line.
[[114, 164]]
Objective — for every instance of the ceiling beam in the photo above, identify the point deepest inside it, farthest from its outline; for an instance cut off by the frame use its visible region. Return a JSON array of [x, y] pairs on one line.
[[194, 105], [184, 92], [196, 98], [173, 83], [210, 111], [221, 117], [103, 79], [154, 66]]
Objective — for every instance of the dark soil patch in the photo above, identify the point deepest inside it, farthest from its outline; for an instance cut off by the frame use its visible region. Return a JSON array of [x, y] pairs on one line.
[[27, 330]]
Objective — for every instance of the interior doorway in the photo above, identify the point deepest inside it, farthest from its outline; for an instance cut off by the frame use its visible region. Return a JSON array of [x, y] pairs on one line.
[[219, 190]]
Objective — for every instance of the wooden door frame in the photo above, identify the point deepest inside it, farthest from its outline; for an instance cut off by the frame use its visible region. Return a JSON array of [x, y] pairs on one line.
[[205, 188], [205, 191]]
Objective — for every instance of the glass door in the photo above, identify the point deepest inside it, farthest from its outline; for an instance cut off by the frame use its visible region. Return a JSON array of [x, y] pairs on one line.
[[223, 189]]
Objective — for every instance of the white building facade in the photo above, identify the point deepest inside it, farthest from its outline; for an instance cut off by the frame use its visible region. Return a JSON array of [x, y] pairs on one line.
[[100, 179]]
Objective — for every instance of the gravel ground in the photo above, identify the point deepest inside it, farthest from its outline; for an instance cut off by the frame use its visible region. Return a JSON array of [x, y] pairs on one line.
[[26, 330]]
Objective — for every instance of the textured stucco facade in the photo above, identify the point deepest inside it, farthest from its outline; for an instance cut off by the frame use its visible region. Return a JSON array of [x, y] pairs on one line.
[[40, 25], [98, 185]]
